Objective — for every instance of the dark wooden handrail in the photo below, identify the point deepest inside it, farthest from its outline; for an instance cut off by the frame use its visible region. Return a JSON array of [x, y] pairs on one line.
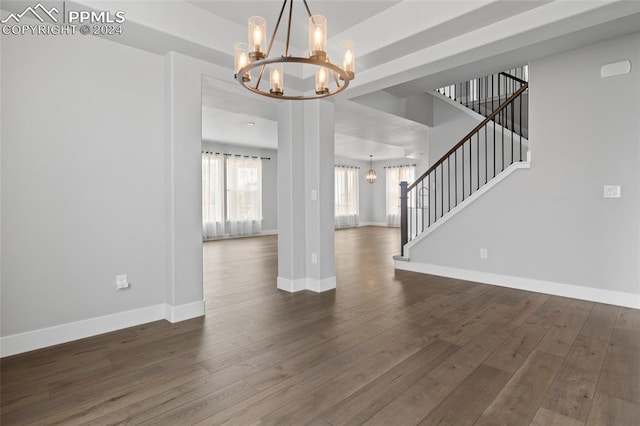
[[519, 80], [490, 117]]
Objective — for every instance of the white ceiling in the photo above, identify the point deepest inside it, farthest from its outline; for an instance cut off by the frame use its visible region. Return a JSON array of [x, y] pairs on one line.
[[403, 48], [231, 116], [342, 14]]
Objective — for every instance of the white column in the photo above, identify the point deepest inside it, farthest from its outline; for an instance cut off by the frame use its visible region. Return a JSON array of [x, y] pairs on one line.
[[306, 258]]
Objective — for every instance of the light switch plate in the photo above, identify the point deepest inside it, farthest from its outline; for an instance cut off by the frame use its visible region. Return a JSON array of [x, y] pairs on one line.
[[122, 281], [612, 191]]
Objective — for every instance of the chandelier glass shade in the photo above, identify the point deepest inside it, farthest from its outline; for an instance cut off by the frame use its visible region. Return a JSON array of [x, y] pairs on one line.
[[371, 174], [255, 68]]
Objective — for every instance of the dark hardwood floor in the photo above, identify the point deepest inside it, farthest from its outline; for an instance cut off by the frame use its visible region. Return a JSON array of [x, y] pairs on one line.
[[386, 347]]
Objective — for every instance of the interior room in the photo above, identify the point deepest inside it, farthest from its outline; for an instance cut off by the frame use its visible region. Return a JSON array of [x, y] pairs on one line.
[[320, 212]]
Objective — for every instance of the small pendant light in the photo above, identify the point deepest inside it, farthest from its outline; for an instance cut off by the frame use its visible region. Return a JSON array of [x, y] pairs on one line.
[[371, 174]]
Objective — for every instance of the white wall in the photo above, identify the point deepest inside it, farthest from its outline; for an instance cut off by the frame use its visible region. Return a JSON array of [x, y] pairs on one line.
[[82, 180], [269, 178], [378, 200], [551, 223]]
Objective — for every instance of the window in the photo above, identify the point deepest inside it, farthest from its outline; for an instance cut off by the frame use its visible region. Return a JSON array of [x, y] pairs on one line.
[[244, 195], [231, 195], [346, 205], [394, 176], [212, 195]]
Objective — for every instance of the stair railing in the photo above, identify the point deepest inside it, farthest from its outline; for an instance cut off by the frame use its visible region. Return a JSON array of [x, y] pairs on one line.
[[484, 94], [476, 159]]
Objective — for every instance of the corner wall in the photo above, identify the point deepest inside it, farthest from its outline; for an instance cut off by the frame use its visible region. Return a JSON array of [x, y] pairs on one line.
[[82, 181], [549, 228]]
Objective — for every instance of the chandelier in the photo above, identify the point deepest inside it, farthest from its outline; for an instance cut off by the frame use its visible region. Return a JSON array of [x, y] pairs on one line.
[[251, 60], [371, 174]]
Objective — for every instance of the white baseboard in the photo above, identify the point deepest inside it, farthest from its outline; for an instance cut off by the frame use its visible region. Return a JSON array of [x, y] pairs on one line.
[[184, 312], [41, 338], [233, 237], [610, 297], [374, 224], [299, 284]]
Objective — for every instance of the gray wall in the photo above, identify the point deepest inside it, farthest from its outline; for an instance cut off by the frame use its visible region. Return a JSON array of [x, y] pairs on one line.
[[269, 178], [83, 178], [551, 222], [378, 192]]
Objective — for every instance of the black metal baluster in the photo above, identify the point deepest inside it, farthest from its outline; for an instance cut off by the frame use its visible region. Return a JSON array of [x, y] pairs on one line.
[[521, 132], [416, 209], [502, 132], [455, 176], [467, 94], [406, 209], [462, 169], [449, 182], [478, 160], [470, 167], [513, 126], [486, 177], [441, 189], [435, 193], [494, 127], [422, 202], [429, 198]]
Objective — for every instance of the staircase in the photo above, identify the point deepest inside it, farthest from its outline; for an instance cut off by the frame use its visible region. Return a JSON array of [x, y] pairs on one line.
[[496, 147]]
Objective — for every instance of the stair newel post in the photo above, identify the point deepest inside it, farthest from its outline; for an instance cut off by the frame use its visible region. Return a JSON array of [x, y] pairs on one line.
[[404, 216]]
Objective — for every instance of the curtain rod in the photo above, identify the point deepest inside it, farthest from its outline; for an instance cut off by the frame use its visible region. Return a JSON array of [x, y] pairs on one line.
[[236, 155], [401, 165], [347, 167]]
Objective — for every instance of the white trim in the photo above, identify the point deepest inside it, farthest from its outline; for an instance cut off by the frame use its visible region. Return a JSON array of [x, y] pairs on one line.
[[375, 224], [611, 297], [318, 286], [493, 182], [44, 337], [311, 284], [229, 236], [184, 312], [291, 286]]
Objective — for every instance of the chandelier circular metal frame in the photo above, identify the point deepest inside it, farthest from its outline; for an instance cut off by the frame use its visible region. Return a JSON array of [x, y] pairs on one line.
[[317, 58]]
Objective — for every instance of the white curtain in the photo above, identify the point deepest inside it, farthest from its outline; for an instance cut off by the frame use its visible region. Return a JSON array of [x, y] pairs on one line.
[[346, 206], [394, 176], [212, 195], [244, 195]]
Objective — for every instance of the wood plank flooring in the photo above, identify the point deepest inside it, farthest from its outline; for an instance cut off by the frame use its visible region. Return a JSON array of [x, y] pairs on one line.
[[386, 347]]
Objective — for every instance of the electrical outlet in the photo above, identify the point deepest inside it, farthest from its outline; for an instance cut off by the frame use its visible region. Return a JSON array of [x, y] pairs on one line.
[[484, 253], [122, 282], [314, 258], [612, 191]]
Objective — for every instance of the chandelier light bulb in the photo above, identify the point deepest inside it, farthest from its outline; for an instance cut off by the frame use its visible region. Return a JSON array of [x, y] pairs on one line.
[[257, 31], [257, 39], [317, 38], [241, 60], [348, 60], [276, 77], [321, 82]]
